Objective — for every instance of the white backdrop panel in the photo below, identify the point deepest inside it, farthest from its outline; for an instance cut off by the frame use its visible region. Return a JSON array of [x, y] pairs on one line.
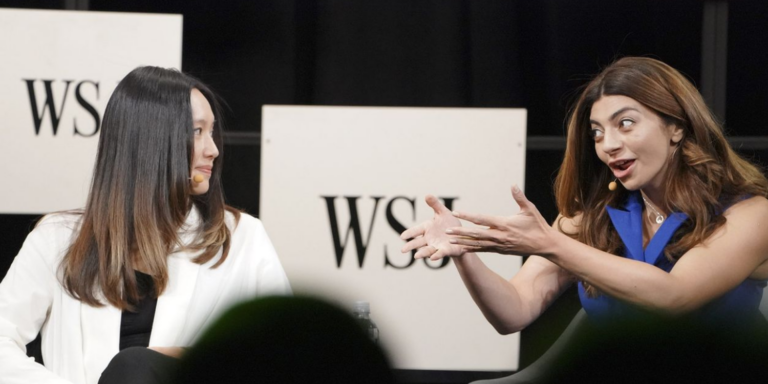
[[80, 57], [323, 161]]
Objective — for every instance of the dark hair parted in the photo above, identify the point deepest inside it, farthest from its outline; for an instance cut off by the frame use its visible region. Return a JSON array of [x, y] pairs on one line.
[[140, 193], [705, 174]]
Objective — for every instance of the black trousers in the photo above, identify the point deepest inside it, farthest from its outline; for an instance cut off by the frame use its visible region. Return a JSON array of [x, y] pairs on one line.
[[139, 365]]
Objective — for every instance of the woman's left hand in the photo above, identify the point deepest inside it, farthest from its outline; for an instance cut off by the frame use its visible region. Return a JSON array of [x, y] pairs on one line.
[[523, 234]]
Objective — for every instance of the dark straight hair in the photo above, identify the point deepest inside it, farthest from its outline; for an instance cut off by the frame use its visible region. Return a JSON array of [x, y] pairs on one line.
[[140, 193]]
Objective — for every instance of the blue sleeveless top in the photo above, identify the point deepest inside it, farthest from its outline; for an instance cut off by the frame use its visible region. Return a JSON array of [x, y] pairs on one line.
[[744, 300]]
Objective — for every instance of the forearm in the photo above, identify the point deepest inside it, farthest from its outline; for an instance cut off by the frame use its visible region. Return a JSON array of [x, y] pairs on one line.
[[629, 280], [497, 298]]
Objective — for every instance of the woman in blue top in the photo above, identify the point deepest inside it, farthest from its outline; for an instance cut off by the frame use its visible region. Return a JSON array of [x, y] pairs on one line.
[[658, 214]]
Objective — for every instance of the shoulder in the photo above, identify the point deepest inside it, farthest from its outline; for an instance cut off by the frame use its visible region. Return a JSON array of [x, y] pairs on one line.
[[250, 239], [745, 227], [237, 219], [242, 222], [749, 209], [51, 237], [66, 219], [747, 220], [58, 224]]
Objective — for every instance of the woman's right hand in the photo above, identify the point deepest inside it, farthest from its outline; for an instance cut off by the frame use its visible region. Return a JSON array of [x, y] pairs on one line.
[[429, 237]]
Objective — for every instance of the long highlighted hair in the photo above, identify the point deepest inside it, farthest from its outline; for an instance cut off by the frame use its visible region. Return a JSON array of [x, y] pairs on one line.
[[140, 193], [704, 177]]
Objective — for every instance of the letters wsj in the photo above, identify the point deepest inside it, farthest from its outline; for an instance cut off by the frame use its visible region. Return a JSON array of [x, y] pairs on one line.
[[53, 104], [354, 227]]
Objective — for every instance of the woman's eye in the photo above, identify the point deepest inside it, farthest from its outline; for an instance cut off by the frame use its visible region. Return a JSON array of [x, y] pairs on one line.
[[626, 123], [198, 131], [596, 133]]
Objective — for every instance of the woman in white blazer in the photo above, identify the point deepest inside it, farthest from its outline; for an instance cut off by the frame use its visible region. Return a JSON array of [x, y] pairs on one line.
[[154, 257]]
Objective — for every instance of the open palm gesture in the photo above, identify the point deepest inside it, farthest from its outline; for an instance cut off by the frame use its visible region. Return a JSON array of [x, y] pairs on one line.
[[430, 237], [524, 233]]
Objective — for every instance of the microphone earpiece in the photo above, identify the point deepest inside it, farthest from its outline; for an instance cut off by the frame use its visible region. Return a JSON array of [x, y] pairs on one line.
[[197, 178]]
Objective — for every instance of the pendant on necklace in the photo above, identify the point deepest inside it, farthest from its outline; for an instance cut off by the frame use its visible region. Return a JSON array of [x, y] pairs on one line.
[[659, 216]]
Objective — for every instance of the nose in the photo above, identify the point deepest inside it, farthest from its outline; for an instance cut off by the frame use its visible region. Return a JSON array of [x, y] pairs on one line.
[[210, 150], [611, 142]]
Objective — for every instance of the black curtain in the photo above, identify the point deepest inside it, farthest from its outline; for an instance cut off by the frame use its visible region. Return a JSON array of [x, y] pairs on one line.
[[438, 53]]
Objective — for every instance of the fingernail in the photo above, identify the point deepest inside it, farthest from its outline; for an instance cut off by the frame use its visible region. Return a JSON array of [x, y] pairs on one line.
[[453, 241], [449, 230], [515, 189], [456, 213]]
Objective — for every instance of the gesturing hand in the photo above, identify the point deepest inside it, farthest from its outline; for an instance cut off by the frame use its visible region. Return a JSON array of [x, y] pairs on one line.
[[523, 234], [429, 237]]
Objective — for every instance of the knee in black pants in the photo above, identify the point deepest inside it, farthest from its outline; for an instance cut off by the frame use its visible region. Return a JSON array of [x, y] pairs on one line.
[[139, 365]]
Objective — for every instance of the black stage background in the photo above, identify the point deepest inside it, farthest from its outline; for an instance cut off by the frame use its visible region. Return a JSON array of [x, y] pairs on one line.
[[450, 53]]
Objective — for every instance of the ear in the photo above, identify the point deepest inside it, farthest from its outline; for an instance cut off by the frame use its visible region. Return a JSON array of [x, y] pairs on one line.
[[677, 133]]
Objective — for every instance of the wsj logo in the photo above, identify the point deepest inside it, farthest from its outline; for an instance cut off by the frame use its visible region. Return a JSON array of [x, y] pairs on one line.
[[55, 109], [354, 227]]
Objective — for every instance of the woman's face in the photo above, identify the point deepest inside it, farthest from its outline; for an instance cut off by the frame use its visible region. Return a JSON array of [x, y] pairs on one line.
[[205, 151], [633, 141]]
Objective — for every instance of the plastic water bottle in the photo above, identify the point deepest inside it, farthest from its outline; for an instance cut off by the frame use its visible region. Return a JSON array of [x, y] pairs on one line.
[[362, 313]]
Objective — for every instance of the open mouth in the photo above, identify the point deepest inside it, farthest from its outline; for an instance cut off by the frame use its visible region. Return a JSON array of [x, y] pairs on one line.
[[623, 165]]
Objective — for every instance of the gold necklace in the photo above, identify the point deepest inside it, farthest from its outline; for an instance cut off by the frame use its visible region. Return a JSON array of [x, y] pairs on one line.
[[659, 217]]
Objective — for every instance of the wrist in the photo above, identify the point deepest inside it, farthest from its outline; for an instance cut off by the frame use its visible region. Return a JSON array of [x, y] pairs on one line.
[[554, 245], [464, 260]]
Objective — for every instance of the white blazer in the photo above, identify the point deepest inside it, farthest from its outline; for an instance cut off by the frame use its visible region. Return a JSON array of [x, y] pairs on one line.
[[78, 341]]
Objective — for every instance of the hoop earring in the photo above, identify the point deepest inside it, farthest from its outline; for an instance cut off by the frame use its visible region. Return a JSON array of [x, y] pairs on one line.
[[612, 185]]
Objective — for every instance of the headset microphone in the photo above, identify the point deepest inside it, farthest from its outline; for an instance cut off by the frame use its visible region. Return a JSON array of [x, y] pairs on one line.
[[197, 178]]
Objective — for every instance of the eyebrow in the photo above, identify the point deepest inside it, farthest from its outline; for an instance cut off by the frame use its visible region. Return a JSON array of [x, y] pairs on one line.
[[202, 121], [613, 116]]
